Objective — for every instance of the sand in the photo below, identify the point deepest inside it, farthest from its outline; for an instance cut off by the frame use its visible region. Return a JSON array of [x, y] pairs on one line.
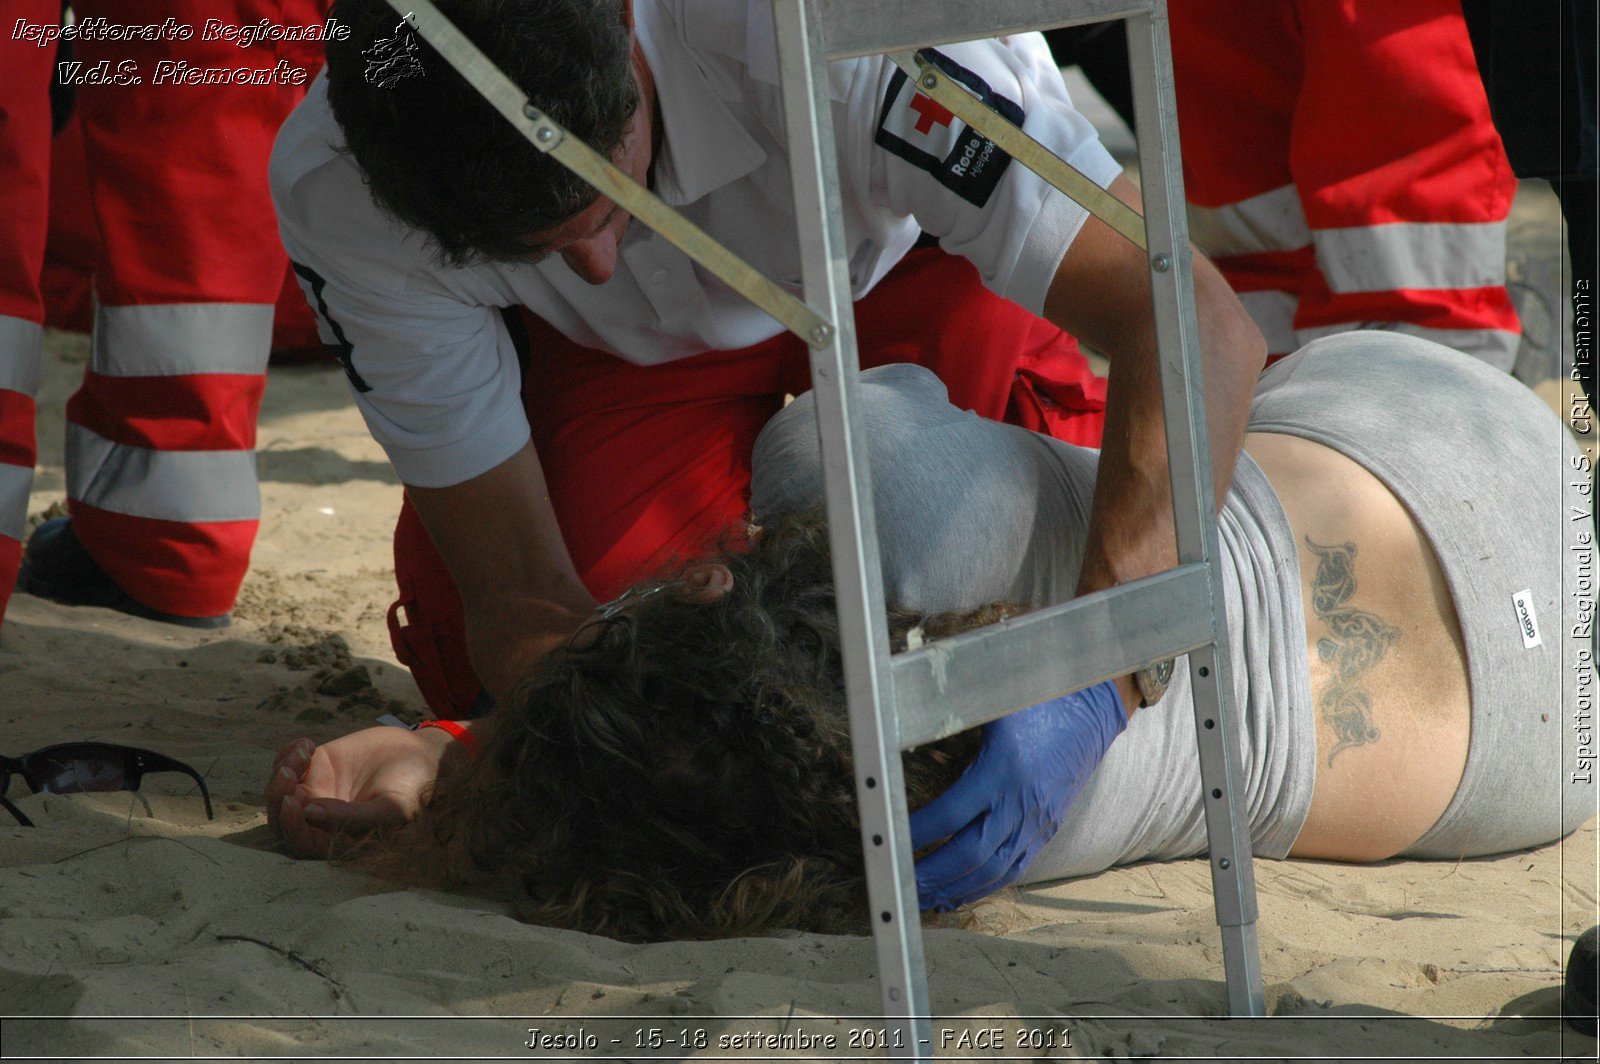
[[130, 925]]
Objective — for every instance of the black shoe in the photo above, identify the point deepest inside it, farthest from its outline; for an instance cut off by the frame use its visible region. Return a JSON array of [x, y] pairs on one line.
[[1577, 994], [55, 566]]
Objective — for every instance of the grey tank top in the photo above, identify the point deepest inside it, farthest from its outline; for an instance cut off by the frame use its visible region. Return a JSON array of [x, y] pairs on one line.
[[971, 511]]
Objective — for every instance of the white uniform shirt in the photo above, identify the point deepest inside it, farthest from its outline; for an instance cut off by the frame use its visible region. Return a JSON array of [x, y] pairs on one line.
[[433, 367]]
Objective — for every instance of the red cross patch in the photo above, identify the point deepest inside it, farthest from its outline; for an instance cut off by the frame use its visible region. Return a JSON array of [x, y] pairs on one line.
[[920, 120], [925, 134], [929, 111]]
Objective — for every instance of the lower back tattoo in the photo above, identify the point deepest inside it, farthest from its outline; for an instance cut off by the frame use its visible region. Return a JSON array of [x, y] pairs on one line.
[[1358, 643]]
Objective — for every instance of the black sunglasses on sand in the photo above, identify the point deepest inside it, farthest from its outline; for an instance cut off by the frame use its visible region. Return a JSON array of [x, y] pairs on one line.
[[73, 768]]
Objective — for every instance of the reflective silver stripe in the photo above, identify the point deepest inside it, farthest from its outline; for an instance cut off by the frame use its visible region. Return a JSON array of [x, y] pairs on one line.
[[1272, 221], [1496, 347], [172, 339], [1273, 313], [188, 486], [21, 344], [1380, 258], [15, 483]]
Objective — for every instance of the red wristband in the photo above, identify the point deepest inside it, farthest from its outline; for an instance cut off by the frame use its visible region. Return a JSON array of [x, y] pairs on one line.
[[456, 732]]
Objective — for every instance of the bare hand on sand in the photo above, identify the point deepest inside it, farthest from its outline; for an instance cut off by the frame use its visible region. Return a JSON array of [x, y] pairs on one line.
[[322, 798]]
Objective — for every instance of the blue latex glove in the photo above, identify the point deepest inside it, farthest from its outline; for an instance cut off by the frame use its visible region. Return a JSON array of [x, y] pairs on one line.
[[1010, 800]]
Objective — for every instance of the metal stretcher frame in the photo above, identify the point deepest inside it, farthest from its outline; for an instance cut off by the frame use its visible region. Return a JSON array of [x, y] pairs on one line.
[[911, 698], [896, 702]]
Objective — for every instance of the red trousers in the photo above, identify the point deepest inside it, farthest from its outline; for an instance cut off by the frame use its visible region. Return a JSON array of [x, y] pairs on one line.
[[73, 249], [160, 471], [647, 463]]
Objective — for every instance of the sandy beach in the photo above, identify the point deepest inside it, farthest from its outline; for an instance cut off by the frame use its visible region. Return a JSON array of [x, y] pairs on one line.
[[130, 925]]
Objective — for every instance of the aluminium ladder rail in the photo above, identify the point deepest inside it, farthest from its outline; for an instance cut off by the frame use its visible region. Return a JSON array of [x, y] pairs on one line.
[[912, 698]]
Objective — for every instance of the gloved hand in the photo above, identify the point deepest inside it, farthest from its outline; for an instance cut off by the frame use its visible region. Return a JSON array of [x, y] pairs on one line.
[[1010, 800]]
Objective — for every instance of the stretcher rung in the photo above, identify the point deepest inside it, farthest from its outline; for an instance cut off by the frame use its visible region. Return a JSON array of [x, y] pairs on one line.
[[866, 27], [981, 675], [896, 702]]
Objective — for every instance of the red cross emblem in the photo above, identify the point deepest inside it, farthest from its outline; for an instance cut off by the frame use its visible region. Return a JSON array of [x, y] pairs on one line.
[[929, 112]]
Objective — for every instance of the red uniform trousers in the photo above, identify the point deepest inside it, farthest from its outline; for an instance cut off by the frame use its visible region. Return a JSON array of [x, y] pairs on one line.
[[650, 463], [160, 438], [24, 183], [73, 248], [1342, 168]]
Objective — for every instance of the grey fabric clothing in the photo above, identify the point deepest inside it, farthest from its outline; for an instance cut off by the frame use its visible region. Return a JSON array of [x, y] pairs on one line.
[[1498, 486], [971, 511]]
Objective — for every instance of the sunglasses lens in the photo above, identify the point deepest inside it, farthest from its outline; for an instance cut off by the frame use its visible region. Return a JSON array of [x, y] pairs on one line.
[[78, 774]]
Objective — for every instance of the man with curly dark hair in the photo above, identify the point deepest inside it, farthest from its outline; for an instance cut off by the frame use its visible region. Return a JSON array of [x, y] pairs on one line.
[[437, 158], [569, 400]]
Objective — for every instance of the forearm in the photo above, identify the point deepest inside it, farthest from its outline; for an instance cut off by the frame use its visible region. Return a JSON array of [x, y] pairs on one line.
[[1131, 532], [1102, 294], [509, 632], [520, 592], [1131, 529]]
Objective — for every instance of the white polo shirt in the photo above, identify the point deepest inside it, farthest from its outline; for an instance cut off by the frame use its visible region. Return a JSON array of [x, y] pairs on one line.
[[432, 366]]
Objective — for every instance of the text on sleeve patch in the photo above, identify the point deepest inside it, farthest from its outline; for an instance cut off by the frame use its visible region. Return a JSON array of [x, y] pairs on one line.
[[929, 137]]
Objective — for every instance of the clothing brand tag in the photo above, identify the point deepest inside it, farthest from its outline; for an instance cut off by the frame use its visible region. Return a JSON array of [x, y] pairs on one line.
[[1527, 621]]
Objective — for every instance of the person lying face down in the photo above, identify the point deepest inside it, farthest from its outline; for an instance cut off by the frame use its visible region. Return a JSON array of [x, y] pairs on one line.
[[1385, 577], [683, 769]]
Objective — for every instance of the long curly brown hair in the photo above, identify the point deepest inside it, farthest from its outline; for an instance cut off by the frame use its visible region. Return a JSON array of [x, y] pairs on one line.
[[685, 774]]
